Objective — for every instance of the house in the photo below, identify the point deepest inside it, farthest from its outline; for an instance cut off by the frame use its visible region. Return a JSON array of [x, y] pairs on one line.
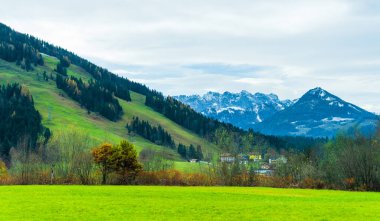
[[265, 166], [227, 158], [255, 156], [243, 159], [264, 172], [280, 159], [193, 160]]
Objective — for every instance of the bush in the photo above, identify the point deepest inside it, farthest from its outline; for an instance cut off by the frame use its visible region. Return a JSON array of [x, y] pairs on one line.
[[173, 178]]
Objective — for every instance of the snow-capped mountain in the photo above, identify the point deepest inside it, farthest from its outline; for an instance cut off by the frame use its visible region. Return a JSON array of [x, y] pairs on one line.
[[240, 109], [317, 113]]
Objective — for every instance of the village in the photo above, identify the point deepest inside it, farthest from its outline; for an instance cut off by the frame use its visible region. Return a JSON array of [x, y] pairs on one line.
[[255, 159], [261, 165]]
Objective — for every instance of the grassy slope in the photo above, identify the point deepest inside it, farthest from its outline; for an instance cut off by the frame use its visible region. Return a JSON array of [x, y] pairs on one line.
[[184, 203], [61, 113]]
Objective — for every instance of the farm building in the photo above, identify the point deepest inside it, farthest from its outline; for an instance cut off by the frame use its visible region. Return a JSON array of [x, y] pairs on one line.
[[255, 156], [227, 158]]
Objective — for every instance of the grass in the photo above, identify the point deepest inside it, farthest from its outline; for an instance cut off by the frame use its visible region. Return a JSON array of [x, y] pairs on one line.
[[183, 203], [60, 113]]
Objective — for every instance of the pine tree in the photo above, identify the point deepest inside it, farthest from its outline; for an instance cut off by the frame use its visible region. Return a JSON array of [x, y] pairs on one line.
[[192, 154], [199, 153]]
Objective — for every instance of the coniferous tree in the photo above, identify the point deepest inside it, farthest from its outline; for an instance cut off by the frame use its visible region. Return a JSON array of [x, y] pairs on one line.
[[192, 154], [61, 69], [199, 153], [92, 96], [18, 118], [182, 150], [154, 134]]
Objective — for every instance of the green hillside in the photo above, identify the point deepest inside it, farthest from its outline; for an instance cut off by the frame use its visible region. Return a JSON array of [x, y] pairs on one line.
[[61, 113]]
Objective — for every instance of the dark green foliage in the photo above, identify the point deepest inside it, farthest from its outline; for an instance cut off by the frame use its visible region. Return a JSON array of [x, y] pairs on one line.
[[182, 150], [295, 142], [92, 95], [62, 66], [190, 152], [44, 76], [64, 61], [19, 120], [47, 134], [61, 69], [15, 47], [155, 134], [199, 153]]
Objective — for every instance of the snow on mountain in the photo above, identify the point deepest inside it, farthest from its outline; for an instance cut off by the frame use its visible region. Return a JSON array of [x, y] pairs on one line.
[[241, 109], [317, 113]]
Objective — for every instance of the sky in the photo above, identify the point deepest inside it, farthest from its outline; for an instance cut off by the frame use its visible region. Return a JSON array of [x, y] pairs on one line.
[[192, 47]]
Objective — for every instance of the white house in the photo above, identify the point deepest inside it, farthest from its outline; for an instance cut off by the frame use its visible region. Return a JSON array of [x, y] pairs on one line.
[[227, 158]]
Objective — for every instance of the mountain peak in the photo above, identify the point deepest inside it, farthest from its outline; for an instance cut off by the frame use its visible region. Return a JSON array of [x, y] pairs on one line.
[[318, 91], [245, 92]]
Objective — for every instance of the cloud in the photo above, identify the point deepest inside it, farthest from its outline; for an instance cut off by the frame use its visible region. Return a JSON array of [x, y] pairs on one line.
[[260, 81], [185, 47]]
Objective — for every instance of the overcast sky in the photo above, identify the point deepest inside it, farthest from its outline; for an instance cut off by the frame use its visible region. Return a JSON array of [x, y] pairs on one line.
[[191, 47]]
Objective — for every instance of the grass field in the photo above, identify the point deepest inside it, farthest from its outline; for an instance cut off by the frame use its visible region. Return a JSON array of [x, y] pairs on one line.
[[183, 203]]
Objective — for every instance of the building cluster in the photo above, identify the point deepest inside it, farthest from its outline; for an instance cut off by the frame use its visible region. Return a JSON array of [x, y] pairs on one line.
[[242, 158], [264, 167]]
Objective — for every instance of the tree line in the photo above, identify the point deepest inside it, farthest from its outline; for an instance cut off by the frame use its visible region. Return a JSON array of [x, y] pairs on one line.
[[159, 136], [190, 152], [92, 95], [18, 119], [155, 134], [62, 66], [14, 48], [346, 162]]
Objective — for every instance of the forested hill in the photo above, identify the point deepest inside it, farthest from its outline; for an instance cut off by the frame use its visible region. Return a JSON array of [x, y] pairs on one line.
[[25, 51], [117, 99]]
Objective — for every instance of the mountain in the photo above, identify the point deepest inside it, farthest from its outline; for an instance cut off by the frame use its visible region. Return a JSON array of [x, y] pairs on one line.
[[242, 109], [317, 113]]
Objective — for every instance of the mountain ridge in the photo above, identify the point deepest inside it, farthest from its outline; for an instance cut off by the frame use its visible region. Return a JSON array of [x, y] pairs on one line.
[[256, 106], [317, 113]]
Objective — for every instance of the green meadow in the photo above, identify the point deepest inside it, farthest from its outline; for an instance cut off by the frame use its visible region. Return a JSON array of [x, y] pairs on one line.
[[183, 203], [60, 113]]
